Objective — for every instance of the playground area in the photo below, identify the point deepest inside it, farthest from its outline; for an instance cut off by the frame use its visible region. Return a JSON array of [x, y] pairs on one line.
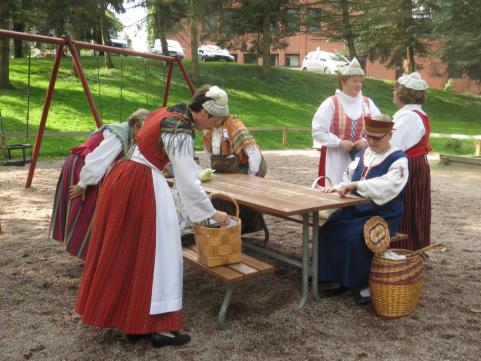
[[39, 285]]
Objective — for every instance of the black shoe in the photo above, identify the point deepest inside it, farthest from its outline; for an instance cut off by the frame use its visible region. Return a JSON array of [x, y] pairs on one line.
[[332, 292], [134, 338], [363, 301], [177, 339]]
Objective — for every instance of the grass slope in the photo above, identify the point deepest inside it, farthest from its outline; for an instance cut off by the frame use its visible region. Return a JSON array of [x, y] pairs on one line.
[[289, 98]]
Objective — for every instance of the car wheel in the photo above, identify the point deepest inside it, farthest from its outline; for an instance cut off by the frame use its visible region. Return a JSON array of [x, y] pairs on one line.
[[304, 69]]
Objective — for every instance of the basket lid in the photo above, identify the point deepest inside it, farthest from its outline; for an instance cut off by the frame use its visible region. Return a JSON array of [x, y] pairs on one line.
[[376, 234]]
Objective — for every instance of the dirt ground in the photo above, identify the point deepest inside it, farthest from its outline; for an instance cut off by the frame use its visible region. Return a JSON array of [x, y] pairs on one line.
[[39, 284]]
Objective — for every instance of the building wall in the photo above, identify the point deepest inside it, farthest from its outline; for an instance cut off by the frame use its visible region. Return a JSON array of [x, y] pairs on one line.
[[431, 68]]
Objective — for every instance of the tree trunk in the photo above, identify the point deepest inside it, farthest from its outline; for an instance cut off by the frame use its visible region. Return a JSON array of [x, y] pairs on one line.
[[105, 34], [346, 20], [17, 44], [160, 25], [266, 43], [194, 46], [4, 49], [410, 58]]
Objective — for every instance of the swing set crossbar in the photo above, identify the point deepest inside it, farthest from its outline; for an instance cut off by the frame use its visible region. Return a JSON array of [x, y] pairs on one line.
[[66, 42]]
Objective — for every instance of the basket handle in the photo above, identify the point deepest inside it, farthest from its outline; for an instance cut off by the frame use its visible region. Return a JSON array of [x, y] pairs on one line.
[[314, 184], [226, 198], [428, 248]]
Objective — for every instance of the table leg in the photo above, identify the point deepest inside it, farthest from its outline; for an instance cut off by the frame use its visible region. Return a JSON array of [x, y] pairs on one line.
[[225, 305], [315, 254], [305, 260]]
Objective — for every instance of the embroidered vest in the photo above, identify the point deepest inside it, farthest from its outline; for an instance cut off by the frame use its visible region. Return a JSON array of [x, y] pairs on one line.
[[148, 138], [344, 127], [422, 147]]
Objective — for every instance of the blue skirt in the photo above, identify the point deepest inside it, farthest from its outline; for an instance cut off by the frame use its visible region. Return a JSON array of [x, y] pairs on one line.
[[343, 255]]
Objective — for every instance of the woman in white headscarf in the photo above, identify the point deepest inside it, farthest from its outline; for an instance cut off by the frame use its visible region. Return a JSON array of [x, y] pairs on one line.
[[230, 137], [338, 124], [411, 134]]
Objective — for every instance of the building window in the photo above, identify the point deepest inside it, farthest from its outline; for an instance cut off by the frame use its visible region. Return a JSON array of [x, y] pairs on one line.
[[210, 24], [293, 60], [292, 21], [250, 58], [275, 59], [313, 20]]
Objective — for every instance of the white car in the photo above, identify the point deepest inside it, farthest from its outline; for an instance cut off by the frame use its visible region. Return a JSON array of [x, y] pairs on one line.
[[214, 52], [117, 41], [323, 61], [174, 48]]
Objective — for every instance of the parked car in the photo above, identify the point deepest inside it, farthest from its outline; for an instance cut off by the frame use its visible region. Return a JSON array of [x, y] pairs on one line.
[[174, 48], [323, 61], [117, 41], [213, 52]]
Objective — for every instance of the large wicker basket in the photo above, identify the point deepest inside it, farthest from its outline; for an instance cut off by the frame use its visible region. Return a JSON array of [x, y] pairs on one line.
[[219, 246], [396, 285]]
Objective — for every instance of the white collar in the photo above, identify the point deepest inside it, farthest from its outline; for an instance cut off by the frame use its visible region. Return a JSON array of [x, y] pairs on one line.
[[347, 98]]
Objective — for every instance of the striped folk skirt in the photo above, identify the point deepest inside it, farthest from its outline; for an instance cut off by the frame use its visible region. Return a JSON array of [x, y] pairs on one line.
[[416, 221], [116, 287], [71, 220]]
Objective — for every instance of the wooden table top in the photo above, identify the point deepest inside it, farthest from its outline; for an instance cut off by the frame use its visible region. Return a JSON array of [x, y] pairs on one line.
[[275, 197]]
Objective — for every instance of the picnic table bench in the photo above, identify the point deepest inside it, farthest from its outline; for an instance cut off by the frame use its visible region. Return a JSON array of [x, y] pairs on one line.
[[232, 275]]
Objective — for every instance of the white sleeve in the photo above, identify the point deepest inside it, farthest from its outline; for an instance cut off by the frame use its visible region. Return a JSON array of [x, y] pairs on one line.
[[321, 126], [408, 130], [385, 188], [186, 171], [100, 159], [374, 110], [254, 157]]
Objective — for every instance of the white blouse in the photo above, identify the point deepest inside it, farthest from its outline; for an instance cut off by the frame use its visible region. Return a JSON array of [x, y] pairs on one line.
[[408, 127], [354, 107], [384, 188], [100, 159]]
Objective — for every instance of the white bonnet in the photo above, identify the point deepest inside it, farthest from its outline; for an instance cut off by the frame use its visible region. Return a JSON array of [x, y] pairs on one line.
[[353, 68], [219, 105], [413, 81]]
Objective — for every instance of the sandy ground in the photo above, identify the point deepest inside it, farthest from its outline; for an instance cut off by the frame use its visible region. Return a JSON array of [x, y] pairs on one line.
[[39, 284]]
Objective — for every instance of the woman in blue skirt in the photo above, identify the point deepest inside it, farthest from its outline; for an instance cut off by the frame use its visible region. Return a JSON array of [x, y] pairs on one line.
[[379, 173]]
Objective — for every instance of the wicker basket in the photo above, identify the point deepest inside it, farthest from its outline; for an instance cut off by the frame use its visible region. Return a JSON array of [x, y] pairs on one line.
[[396, 285], [225, 164], [219, 246]]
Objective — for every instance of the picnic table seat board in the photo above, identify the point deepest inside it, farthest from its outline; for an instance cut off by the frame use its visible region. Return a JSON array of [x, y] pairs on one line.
[[231, 275]]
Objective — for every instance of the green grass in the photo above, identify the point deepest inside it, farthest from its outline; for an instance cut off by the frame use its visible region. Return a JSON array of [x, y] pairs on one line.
[[289, 98]]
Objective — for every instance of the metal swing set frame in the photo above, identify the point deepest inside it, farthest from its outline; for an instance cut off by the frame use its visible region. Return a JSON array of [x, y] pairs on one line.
[[65, 41]]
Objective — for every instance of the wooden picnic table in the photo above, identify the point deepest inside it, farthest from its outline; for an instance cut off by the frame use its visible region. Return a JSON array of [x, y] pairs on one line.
[[283, 200]]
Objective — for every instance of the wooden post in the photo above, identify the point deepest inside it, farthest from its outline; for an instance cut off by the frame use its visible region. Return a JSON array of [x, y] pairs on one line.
[[477, 151], [284, 136]]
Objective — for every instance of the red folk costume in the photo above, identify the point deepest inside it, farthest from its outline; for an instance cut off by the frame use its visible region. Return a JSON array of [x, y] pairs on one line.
[[416, 221], [133, 274], [71, 221]]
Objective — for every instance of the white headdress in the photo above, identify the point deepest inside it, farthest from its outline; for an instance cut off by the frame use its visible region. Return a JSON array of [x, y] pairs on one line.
[[353, 68], [413, 81], [219, 105]]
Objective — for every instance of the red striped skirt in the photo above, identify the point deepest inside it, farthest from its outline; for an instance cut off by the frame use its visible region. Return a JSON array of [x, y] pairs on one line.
[[416, 221], [116, 287], [71, 220]]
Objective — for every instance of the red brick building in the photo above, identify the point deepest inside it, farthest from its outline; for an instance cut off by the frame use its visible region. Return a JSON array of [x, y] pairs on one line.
[[308, 38]]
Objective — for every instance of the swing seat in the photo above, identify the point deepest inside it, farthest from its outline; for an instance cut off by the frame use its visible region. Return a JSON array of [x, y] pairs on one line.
[[10, 158]]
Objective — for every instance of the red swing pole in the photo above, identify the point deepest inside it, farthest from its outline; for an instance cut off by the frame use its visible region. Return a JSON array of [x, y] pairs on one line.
[[186, 76], [43, 120]]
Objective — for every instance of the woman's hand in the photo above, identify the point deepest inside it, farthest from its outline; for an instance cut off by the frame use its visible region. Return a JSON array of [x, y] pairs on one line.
[[328, 189], [360, 144], [76, 191], [345, 189], [221, 217], [346, 145]]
